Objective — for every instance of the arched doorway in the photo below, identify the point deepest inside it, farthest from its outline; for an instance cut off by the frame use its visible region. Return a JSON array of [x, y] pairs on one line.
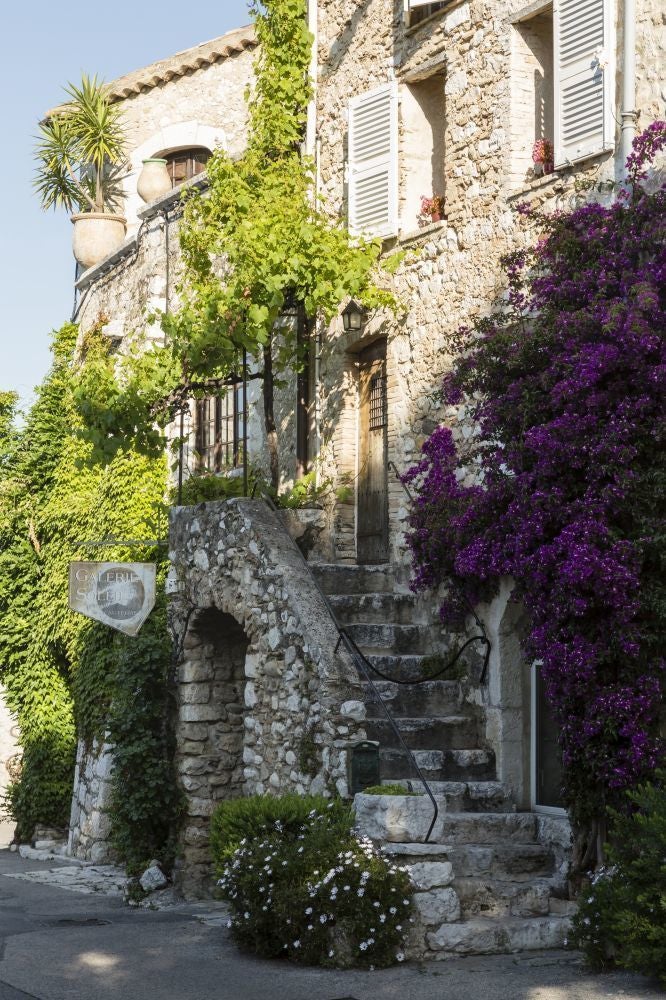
[[209, 734]]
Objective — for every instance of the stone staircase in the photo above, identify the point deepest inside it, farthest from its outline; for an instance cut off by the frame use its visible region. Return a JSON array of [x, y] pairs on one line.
[[486, 882]]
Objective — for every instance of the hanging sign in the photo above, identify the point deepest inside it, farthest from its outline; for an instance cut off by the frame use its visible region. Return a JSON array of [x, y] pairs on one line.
[[120, 595]]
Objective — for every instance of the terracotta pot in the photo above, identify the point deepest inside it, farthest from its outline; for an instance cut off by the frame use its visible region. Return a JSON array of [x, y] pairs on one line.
[[436, 216], [154, 180], [548, 167], [96, 235]]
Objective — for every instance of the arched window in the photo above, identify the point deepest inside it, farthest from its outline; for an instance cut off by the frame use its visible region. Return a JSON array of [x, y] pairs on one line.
[[183, 164]]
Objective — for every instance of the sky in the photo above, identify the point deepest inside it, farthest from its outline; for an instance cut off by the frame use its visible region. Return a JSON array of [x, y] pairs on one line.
[[47, 45]]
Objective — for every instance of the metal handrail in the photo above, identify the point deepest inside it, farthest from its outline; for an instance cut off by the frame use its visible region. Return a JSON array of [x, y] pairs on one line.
[[365, 666]]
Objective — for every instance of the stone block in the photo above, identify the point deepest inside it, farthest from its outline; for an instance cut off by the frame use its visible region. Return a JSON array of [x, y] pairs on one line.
[[431, 875], [199, 713], [437, 906], [195, 694], [195, 671]]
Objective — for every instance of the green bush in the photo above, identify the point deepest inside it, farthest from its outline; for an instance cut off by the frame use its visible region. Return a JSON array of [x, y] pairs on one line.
[[622, 918], [244, 819], [393, 789], [312, 892]]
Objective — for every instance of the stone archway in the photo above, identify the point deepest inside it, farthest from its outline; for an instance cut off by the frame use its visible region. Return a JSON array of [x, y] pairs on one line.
[[262, 676], [209, 732], [508, 694]]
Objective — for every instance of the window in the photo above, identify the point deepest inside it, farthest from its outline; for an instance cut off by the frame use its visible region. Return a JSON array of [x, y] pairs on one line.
[[382, 200], [183, 164], [418, 10], [219, 429], [561, 81], [422, 148], [373, 162]]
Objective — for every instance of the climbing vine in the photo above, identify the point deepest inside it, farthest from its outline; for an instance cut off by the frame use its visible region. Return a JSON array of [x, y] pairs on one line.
[[561, 490], [62, 672], [255, 242]]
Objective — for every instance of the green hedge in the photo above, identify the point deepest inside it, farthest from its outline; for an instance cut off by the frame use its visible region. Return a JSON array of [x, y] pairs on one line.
[[622, 917], [302, 886]]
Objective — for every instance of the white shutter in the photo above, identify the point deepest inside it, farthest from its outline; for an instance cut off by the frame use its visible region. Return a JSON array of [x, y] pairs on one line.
[[583, 79], [373, 162]]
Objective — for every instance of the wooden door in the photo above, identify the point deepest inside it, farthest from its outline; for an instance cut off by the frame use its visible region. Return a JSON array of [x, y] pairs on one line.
[[546, 752], [372, 515]]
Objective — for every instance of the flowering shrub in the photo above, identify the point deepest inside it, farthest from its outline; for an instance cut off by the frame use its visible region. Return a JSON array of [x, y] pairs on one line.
[[622, 918], [543, 151], [430, 208], [313, 894], [561, 488]]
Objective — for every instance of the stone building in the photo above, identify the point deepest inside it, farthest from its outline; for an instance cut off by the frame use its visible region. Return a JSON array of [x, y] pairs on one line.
[[265, 701], [447, 100], [413, 100]]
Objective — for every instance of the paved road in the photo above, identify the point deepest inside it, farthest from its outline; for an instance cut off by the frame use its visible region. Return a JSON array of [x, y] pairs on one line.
[[60, 945]]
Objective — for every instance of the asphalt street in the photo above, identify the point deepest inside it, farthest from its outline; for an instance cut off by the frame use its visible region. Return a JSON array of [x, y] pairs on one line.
[[57, 944]]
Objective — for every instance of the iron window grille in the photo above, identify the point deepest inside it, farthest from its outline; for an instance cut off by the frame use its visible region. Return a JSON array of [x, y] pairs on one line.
[[219, 431], [378, 414]]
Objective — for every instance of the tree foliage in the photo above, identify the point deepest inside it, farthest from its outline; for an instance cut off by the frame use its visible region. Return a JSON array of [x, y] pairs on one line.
[[64, 673], [562, 487], [255, 241]]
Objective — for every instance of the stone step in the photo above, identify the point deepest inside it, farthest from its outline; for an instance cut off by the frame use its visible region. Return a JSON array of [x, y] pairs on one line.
[[376, 637], [493, 897], [428, 698], [408, 667], [465, 796], [377, 607], [443, 732], [516, 862], [439, 765], [496, 937], [339, 578], [398, 818]]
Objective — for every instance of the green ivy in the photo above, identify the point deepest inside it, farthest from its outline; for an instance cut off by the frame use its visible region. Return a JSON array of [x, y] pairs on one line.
[[63, 673], [280, 246]]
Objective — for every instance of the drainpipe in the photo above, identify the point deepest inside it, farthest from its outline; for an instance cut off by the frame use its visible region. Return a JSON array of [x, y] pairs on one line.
[[629, 113]]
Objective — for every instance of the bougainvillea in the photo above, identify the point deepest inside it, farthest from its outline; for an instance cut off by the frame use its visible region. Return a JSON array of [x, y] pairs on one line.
[[560, 488]]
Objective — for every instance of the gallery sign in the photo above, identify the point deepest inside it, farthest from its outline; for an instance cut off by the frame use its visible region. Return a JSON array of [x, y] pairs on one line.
[[119, 594]]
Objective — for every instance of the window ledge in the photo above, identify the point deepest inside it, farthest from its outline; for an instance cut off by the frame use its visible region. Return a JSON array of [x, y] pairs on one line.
[[412, 29], [172, 198], [537, 184], [97, 270], [414, 235], [561, 173]]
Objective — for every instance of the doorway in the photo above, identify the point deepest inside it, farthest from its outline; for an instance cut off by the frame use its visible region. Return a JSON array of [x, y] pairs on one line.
[[372, 492], [546, 757]]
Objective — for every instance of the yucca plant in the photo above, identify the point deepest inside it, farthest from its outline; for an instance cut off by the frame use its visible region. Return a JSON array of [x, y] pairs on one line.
[[81, 150]]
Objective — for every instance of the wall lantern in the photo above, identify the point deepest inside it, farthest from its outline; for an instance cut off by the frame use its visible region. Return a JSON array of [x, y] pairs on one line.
[[353, 316]]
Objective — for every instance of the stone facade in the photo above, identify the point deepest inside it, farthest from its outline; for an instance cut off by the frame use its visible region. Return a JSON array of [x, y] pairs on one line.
[[265, 703], [467, 54], [89, 822], [477, 62], [260, 691]]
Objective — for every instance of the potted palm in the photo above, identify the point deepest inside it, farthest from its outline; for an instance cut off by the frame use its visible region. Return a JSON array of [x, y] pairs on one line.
[[80, 152]]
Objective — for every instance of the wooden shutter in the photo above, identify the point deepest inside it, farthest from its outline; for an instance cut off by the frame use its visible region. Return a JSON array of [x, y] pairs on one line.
[[373, 162], [583, 79]]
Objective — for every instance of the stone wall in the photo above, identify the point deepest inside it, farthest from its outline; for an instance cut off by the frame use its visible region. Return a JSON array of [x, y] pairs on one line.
[[265, 704], [470, 53], [9, 752], [89, 822]]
